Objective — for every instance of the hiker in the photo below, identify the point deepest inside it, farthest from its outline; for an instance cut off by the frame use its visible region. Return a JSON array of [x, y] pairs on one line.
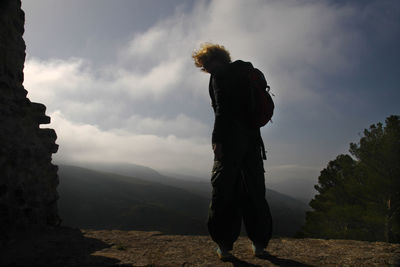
[[238, 174]]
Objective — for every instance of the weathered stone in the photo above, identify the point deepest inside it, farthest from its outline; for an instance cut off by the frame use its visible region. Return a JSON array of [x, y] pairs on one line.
[[28, 179]]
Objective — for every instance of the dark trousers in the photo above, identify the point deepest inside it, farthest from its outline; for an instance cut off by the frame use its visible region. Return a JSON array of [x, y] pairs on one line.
[[239, 193]]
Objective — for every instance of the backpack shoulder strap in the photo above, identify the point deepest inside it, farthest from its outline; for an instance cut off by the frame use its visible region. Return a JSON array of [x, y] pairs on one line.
[[211, 92]]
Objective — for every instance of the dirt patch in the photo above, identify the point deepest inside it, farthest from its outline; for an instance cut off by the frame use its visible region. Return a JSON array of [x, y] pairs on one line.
[[74, 247]]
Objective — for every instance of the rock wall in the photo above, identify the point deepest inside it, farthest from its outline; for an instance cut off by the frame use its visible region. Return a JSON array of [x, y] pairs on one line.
[[28, 179]]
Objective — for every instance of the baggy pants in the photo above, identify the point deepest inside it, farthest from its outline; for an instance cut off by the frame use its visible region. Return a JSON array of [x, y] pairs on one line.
[[239, 193]]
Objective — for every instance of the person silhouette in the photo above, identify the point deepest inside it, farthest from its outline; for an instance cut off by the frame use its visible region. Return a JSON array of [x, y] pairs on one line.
[[238, 182]]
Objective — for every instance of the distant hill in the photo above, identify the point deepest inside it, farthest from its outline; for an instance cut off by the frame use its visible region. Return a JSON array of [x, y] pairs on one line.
[[292, 185], [193, 184], [103, 200], [98, 200]]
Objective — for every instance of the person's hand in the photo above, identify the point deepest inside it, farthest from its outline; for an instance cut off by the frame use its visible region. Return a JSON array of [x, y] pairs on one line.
[[217, 148]]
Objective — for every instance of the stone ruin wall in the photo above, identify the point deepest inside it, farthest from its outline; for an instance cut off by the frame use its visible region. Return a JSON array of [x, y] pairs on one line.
[[28, 179]]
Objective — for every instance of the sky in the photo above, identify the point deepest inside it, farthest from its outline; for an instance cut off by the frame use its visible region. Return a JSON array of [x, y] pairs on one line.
[[120, 85]]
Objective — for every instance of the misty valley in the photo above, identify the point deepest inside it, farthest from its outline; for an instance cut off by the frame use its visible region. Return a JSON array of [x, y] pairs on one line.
[[105, 197]]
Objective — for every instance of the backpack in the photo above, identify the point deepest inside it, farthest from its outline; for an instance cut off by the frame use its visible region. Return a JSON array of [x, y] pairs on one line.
[[261, 103]]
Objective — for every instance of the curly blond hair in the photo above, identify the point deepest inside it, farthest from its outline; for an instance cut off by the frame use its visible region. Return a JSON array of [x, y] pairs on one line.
[[209, 52]]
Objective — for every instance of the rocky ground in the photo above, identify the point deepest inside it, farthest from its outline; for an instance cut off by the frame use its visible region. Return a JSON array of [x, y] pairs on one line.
[[74, 247]]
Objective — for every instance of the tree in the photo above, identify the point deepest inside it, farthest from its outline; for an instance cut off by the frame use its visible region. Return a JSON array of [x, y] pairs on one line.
[[359, 197]]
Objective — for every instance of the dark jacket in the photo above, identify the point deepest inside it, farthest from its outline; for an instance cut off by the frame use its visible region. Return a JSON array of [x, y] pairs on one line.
[[229, 97]]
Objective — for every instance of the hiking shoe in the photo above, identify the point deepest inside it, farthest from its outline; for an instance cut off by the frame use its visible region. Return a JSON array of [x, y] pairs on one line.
[[224, 254], [258, 251]]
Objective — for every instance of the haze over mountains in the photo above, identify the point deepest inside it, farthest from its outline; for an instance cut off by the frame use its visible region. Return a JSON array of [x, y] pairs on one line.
[[292, 185], [132, 197]]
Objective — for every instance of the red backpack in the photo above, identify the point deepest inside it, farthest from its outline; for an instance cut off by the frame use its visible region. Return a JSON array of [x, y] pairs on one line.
[[261, 103]]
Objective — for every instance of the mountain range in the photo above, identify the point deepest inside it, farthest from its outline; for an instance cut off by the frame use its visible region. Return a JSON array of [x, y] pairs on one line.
[[133, 197]]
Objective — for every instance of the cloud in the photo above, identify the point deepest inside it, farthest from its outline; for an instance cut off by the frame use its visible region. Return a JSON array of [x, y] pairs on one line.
[[182, 125], [296, 43], [80, 143], [75, 79], [91, 115], [147, 106]]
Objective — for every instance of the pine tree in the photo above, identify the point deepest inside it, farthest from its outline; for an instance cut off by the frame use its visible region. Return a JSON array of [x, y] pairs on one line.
[[359, 198]]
